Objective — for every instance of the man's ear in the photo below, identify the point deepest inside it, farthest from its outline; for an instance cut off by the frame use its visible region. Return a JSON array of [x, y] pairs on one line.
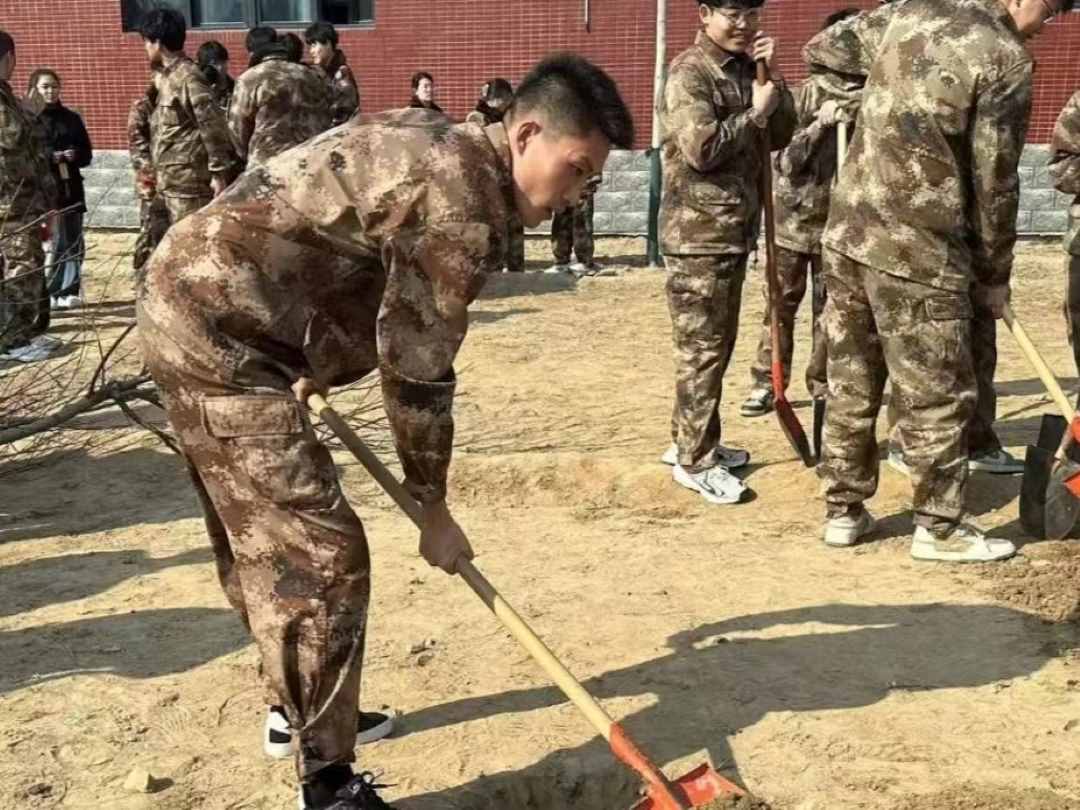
[[525, 133], [703, 12]]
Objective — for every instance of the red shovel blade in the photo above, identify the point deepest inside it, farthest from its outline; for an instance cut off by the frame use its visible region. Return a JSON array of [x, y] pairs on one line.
[[789, 422], [699, 787]]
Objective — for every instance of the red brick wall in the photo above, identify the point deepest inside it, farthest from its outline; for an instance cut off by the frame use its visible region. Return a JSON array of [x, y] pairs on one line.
[[462, 43]]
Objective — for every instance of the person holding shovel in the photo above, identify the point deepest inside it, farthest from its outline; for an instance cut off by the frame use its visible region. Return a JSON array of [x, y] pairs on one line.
[[358, 250], [1065, 171], [925, 207], [805, 171], [714, 116]]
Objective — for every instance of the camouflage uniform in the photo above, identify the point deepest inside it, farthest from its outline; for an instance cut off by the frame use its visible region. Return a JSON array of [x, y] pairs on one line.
[[573, 228], [803, 175], [191, 140], [27, 191], [709, 222], [911, 228], [1065, 171], [515, 245], [343, 88], [276, 105], [153, 216], [276, 280]]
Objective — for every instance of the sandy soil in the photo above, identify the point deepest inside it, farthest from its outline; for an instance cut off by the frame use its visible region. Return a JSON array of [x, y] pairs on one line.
[[819, 678]]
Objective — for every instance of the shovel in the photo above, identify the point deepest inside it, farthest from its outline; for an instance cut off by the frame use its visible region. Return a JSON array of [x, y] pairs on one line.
[[701, 788], [789, 422], [1050, 490]]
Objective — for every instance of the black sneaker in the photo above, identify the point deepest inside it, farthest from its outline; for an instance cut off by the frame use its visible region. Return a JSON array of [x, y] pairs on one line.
[[359, 793], [277, 735]]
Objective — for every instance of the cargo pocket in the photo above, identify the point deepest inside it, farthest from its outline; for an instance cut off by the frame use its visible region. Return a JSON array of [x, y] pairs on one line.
[[949, 308], [274, 447]]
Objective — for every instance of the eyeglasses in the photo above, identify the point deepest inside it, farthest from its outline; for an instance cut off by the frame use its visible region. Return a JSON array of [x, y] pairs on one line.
[[1051, 12], [749, 18]]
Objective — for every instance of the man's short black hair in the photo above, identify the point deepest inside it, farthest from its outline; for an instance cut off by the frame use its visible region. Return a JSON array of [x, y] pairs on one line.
[[497, 90], [839, 16], [322, 32], [577, 97], [7, 44], [211, 52], [259, 38], [166, 26], [738, 4], [419, 76], [294, 48]]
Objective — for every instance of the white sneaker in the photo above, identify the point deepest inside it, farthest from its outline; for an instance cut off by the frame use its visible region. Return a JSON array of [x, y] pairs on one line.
[[728, 457], [896, 461], [46, 342], [71, 302], [847, 530], [558, 268], [716, 484], [996, 462], [965, 543], [30, 353], [277, 734]]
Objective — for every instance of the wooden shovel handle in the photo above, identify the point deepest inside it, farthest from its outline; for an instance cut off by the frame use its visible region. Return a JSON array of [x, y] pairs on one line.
[[1035, 359], [511, 619]]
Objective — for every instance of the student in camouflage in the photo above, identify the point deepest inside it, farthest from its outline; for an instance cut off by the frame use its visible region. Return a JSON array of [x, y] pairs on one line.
[[153, 215], [495, 98], [714, 116], [925, 207], [192, 155], [572, 229], [322, 40], [27, 193], [803, 176], [1065, 171], [276, 104], [358, 250]]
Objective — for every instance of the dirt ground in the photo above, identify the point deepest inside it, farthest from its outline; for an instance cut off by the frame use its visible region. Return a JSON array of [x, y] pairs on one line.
[[819, 678]]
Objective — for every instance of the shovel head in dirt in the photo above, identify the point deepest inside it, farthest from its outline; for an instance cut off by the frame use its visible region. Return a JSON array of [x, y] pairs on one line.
[[1050, 491], [702, 788]]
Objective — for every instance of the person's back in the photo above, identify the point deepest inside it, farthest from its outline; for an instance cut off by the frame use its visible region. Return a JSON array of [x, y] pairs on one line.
[[277, 104], [930, 191], [26, 185]]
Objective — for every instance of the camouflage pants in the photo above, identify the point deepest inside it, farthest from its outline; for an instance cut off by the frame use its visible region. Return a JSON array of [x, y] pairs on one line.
[[1072, 305], [291, 554], [981, 437], [573, 229], [23, 292], [792, 268], [153, 223], [879, 326], [180, 207], [515, 247], [704, 294]]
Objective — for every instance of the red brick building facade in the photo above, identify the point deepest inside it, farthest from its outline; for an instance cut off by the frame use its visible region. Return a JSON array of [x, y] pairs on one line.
[[462, 43]]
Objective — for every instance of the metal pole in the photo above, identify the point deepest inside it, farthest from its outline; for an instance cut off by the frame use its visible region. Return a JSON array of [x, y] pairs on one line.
[[655, 169]]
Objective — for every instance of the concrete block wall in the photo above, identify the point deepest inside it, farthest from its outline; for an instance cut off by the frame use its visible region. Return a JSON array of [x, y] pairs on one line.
[[622, 202]]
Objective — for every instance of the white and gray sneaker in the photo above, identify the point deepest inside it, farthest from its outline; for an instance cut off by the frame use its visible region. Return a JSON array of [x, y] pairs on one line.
[[277, 733], [558, 268], [896, 461], [847, 530], [715, 484], [996, 462], [965, 543], [30, 353], [731, 458]]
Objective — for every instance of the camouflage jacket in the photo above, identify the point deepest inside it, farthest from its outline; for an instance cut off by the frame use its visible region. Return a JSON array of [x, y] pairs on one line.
[[930, 188], [344, 91], [712, 152], [191, 140], [27, 186], [804, 175], [359, 249], [140, 141], [276, 105], [1065, 166]]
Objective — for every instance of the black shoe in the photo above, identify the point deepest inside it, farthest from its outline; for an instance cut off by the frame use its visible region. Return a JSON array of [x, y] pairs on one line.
[[359, 793], [277, 736]]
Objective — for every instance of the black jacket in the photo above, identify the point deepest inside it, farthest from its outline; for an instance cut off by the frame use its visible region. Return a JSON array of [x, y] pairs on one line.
[[64, 129]]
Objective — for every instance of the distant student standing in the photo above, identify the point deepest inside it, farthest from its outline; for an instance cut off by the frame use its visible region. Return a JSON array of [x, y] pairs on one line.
[[322, 41], [423, 92], [714, 117]]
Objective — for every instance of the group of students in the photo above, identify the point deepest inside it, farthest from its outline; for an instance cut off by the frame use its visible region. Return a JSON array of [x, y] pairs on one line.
[[909, 244], [44, 146]]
